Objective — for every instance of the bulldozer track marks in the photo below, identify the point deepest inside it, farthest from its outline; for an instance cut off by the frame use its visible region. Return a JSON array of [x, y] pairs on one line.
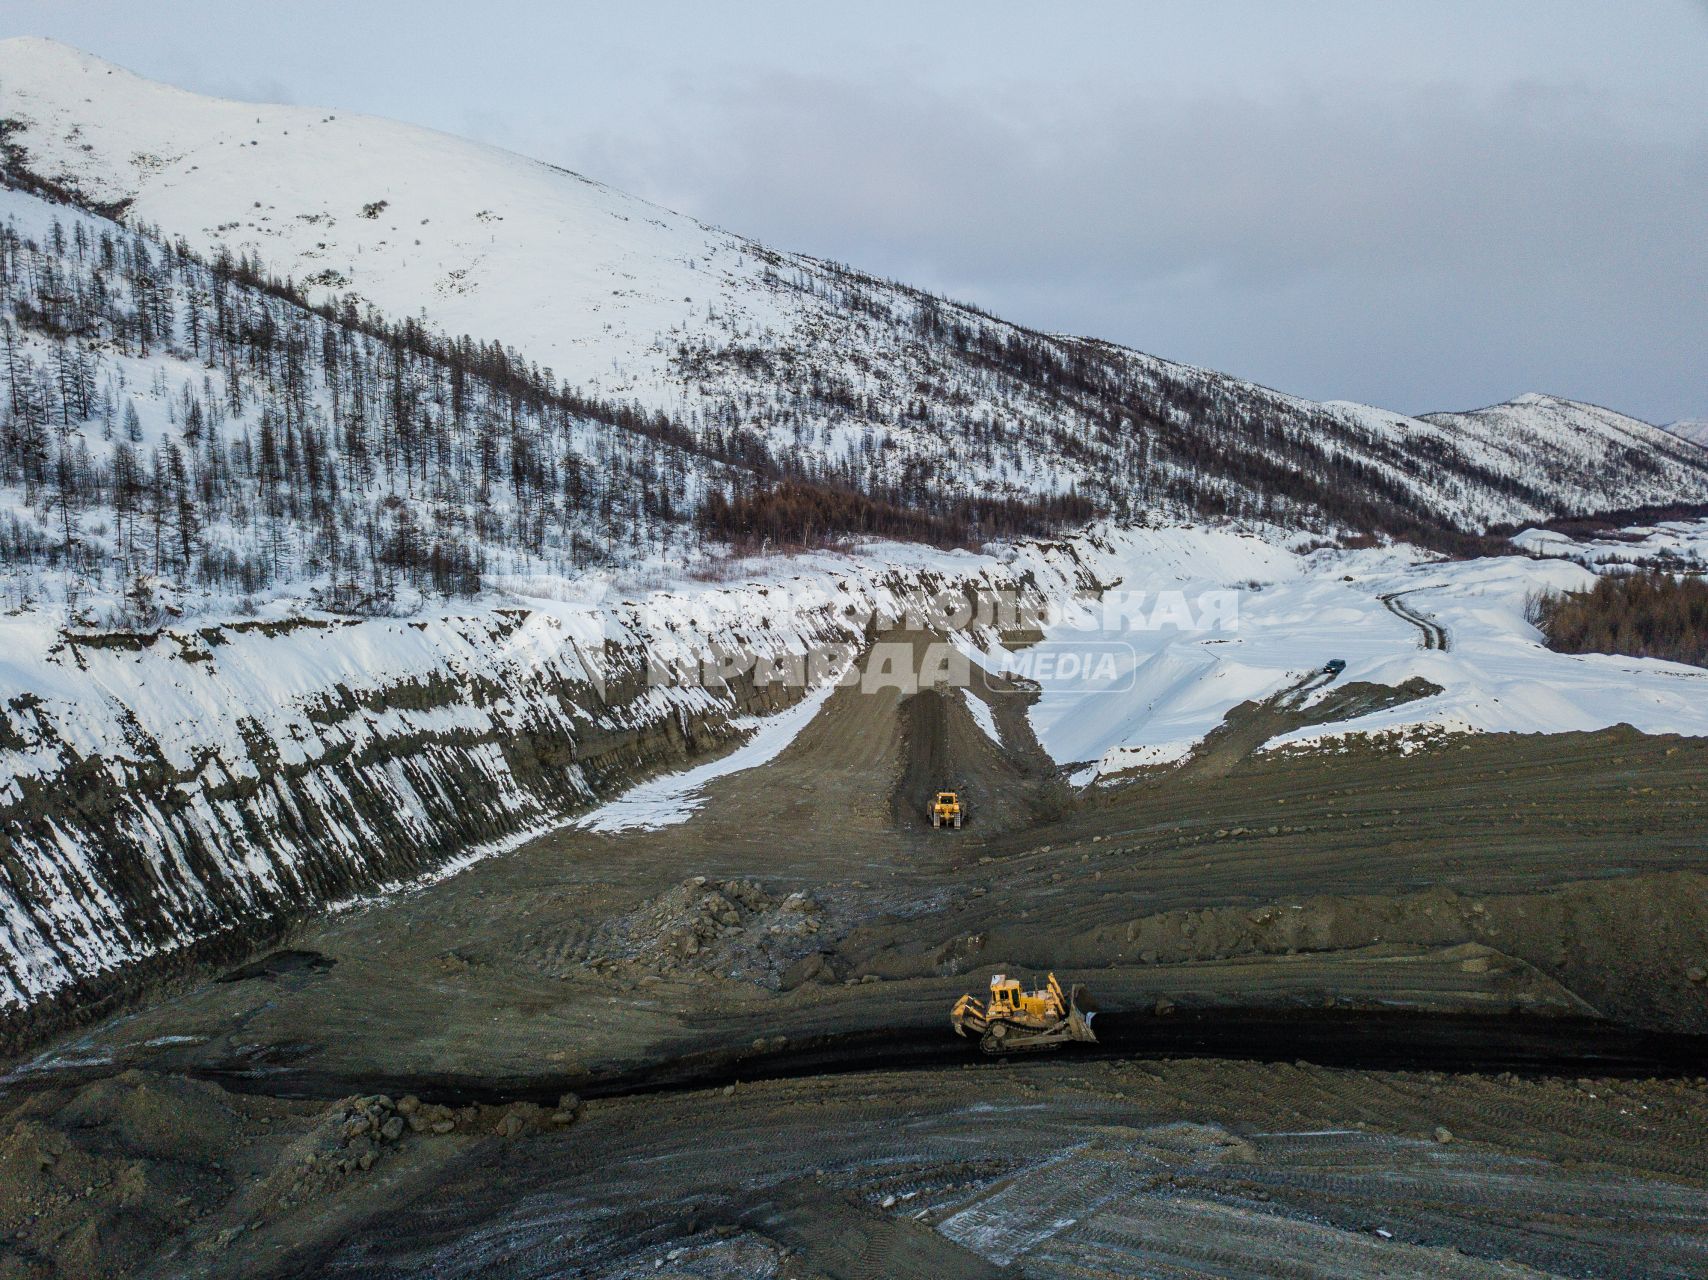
[[1060, 1170]]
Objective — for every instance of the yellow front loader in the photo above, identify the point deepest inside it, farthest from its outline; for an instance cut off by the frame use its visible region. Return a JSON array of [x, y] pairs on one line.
[[1016, 1021]]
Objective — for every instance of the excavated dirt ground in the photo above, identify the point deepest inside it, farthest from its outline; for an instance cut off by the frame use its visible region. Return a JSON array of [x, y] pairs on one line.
[[735, 998]]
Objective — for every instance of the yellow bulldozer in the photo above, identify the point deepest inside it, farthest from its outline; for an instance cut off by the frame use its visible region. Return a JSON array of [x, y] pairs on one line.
[[1016, 1021], [946, 810]]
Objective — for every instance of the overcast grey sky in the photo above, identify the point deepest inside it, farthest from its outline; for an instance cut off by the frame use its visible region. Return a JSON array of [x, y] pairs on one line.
[[1430, 204]]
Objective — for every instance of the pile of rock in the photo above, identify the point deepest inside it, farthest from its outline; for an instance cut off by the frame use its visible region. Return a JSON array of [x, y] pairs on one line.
[[507, 1120], [355, 1134], [733, 928], [350, 1137]]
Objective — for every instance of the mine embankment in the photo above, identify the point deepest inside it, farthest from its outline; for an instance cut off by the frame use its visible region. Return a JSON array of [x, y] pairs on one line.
[[1474, 970]]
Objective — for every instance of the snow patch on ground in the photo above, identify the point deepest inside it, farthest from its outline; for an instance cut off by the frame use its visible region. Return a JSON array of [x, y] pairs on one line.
[[982, 716], [673, 798], [1173, 687]]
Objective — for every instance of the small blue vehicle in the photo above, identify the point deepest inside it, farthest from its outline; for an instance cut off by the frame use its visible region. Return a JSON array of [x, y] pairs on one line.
[[1335, 666]]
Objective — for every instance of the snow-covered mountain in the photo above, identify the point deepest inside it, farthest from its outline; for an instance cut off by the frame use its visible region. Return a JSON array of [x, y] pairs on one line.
[[840, 376], [1563, 437], [1694, 430], [177, 436], [218, 486]]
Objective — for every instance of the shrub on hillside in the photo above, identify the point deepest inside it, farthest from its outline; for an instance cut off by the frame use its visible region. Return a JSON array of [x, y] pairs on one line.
[[798, 513], [1646, 615]]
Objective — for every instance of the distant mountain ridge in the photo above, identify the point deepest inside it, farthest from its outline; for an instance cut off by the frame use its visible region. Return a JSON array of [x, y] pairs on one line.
[[811, 369], [1694, 430]]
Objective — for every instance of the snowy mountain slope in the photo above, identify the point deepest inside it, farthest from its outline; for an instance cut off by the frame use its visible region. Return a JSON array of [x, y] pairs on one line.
[[292, 183], [166, 785], [855, 379], [174, 433], [1694, 430], [1564, 437]]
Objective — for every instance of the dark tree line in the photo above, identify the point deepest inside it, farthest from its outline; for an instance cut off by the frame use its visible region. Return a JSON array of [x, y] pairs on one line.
[[939, 388], [169, 417], [199, 422], [797, 513]]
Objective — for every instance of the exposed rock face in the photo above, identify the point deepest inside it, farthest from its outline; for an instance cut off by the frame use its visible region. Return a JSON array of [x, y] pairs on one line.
[[188, 794], [209, 816]]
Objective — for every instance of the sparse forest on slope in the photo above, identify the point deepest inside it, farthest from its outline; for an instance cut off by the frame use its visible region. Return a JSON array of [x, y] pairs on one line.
[[814, 400], [1650, 614], [167, 419]]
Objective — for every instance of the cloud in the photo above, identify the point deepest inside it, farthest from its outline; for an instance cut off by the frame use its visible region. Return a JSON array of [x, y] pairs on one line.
[[1421, 246]]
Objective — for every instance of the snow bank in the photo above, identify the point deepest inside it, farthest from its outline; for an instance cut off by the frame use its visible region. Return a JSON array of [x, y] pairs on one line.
[[672, 799], [1297, 612], [982, 716]]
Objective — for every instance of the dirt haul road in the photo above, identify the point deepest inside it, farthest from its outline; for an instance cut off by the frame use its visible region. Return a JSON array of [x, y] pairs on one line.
[[807, 905]]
